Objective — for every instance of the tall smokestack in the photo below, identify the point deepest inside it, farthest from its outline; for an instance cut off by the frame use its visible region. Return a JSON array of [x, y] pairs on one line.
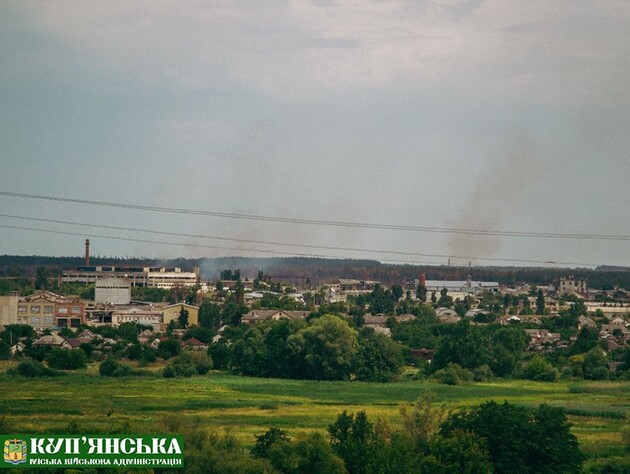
[[423, 279], [87, 252]]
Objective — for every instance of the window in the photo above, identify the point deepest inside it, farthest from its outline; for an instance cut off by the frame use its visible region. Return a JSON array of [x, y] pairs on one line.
[[62, 310], [22, 309], [76, 310], [35, 309], [49, 309]]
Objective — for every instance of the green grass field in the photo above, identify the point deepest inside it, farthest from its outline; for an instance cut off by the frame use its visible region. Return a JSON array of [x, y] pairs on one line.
[[247, 406]]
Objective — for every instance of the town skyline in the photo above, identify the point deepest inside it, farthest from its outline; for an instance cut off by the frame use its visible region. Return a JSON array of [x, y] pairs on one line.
[[477, 115]]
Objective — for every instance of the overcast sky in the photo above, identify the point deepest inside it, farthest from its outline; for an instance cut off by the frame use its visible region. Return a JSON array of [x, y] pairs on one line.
[[485, 115]]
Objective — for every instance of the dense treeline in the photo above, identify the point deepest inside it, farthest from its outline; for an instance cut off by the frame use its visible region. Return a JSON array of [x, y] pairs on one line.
[[324, 348], [490, 438], [320, 271]]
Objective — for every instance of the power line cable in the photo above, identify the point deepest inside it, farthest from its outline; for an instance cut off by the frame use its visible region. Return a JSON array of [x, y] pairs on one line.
[[263, 242], [231, 215], [277, 252]]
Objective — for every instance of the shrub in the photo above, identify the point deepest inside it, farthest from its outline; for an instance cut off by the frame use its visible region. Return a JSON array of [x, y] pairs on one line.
[[112, 368], [67, 359], [168, 348], [169, 372], [453, 374], [482, 373], [32, 368], [611, 465], [191, 363], [538, 369]]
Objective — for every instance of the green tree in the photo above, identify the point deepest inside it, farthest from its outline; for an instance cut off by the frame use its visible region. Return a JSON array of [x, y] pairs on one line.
[[183, 318], [460, 452], [278, 359], [309, 455], [232, 312], [221, 355], [209, 315], [508, 344], [445, 300], [596, 364], [353, 439], [539, 369], [396, 292], [466, 345], [129, 331], [421, 293], [67, 359], [378, 358], [41, 278], [521, 441], [168, 348], [381, 301], [5, 350], [327, 348], [266, 440]]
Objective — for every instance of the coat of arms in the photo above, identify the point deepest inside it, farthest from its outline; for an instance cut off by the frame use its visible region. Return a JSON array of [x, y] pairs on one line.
[[15, 451]]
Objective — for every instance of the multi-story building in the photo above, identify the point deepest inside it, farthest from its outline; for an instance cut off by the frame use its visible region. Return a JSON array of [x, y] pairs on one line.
[[140, 315], [154, 277], [172, 312], [8, 309], [46, 309], [570, 286], [112, 291]]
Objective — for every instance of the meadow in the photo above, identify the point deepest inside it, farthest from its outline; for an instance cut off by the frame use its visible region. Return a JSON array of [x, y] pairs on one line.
[[247, 406]]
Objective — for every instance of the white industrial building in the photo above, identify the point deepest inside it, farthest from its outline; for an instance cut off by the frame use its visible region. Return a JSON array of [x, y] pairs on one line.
[[116, 291]]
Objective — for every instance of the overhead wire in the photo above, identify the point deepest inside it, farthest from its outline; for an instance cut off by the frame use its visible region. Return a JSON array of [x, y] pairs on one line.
[[262, 242], [317, 222]]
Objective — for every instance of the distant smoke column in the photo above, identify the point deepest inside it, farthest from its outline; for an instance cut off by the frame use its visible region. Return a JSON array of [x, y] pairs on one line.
[[87, 252]]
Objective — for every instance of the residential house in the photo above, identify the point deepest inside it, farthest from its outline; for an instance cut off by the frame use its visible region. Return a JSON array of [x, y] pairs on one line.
[[53, 340], [146, 336], [403, 318], [542, 340], [259, 315], [447, 316], [194, 344], [586, 322], [17, 348]]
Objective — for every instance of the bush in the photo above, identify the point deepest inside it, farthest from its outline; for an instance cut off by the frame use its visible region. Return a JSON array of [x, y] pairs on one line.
[[190, 363], [482, 373], [64, 359], [611, 465], [141, 352], [32, 368], [221, 355], [112, 368], [168, 348], [453, 374], [538, 369], [169, 372]]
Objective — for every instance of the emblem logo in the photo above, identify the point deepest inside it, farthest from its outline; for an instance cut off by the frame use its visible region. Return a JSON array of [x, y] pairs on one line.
[[15, 451]]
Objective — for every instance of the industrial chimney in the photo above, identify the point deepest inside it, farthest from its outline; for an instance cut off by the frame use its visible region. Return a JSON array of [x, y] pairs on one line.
[[423, 279], [87, 252]]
